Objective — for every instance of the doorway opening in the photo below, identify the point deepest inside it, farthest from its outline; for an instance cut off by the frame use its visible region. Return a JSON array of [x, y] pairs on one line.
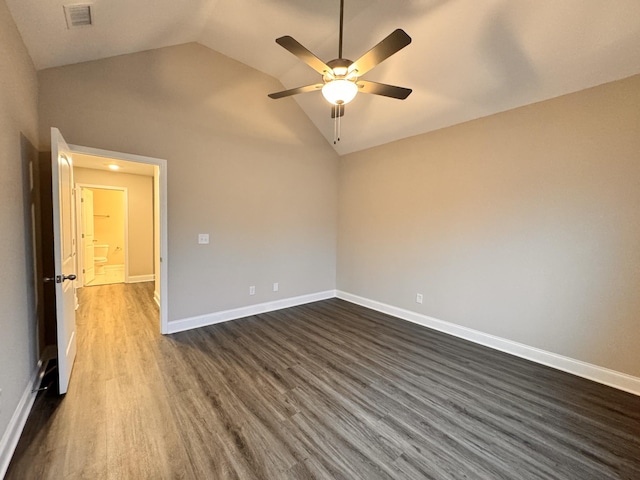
[[122, 222], [103, 239]]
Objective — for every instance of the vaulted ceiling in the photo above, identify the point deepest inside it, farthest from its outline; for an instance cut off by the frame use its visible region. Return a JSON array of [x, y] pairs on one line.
[[468, 59]]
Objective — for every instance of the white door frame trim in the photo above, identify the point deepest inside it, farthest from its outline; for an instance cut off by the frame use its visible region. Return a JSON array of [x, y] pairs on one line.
[[164, 252], [79, 226]]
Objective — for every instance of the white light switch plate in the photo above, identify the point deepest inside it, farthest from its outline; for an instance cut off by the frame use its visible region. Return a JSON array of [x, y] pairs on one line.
[[203, 238]]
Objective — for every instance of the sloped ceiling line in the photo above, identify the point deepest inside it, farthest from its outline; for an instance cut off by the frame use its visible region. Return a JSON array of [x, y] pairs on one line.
[[468, 58]]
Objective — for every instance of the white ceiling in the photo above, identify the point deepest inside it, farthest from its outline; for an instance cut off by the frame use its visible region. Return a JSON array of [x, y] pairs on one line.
[[102, 163], [468, 59]]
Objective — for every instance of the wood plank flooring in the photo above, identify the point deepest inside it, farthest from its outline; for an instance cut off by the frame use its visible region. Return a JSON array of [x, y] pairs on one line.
[[328, 390]]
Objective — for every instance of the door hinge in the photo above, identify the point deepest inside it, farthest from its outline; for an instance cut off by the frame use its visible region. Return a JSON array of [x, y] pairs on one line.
[[83, 270]]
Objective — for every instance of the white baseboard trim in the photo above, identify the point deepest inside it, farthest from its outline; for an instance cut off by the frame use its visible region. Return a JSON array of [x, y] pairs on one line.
[[236, 313], [612, 378], [113, 268], [141, 278], [11, 436], [156, 298]]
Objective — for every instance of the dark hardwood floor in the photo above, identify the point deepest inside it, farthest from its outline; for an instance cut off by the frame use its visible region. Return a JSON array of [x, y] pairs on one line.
[[327, 390]]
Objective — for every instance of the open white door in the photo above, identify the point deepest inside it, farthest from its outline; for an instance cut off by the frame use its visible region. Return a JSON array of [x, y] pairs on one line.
[[64, 242]]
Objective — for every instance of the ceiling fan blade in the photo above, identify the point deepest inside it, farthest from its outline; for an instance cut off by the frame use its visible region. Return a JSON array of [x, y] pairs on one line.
[[295, 91], [395, 42], [383, 89], [303, 54], [337, 111]]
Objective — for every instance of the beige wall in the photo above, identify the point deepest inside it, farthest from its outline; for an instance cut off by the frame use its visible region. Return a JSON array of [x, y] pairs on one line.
[[18, 134], [252, 172], [140, 216], [524, 225]]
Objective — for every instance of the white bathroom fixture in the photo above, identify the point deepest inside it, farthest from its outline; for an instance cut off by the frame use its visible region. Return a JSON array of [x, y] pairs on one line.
[[100, 253]]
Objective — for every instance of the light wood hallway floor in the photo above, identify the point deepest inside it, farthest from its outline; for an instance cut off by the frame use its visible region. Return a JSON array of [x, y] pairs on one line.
[[327, 390]]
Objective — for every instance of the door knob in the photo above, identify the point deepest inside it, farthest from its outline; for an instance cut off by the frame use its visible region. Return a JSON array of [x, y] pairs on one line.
[[60, 278]]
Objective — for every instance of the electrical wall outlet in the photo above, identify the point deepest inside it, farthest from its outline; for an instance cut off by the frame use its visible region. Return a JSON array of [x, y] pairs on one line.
[[418, 298], [203, 238], [276, 287], [252, 290]]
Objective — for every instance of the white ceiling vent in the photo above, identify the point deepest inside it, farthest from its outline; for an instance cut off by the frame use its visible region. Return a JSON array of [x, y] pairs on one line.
[[78, 15]]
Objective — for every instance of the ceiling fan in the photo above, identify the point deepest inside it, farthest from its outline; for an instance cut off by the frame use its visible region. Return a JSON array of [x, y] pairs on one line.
[[341, 78]]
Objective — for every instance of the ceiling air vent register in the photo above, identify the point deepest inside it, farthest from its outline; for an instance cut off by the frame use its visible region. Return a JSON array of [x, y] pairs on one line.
[[78, 15]]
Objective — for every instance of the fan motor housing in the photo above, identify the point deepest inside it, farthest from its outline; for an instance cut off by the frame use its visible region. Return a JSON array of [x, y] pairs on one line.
[[338, 63]]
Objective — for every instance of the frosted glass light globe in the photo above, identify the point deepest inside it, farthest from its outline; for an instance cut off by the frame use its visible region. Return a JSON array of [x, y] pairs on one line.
[[339, 92]]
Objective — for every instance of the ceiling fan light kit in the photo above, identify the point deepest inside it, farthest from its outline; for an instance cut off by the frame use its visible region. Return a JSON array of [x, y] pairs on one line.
[[341, 77], [339, 92]]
